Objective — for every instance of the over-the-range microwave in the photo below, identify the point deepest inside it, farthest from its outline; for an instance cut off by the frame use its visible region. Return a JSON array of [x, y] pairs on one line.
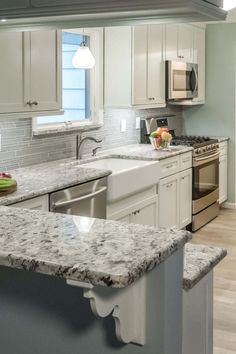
[[181, 80]]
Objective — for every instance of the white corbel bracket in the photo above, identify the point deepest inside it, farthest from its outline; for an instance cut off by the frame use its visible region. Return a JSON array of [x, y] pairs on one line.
[[127, 306]]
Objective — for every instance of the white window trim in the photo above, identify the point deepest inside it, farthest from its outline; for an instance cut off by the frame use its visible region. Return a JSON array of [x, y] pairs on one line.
[[96, 93]]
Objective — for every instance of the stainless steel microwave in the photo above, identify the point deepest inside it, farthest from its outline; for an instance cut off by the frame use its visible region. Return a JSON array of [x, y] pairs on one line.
[[181, 80]]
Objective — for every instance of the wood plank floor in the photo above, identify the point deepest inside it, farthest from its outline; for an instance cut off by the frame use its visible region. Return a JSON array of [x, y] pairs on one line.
[[222, 232]]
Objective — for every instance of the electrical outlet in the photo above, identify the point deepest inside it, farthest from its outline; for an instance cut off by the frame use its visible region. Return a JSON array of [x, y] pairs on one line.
[[123, 125], [138, 122]]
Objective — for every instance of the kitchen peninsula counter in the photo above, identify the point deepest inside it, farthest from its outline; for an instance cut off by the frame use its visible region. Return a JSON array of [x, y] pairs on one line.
[[129, 272]]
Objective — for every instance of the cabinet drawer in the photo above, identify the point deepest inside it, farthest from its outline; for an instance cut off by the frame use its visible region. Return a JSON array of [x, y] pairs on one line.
[[38, 203], [223, 148], [169, 166], [185, 161]]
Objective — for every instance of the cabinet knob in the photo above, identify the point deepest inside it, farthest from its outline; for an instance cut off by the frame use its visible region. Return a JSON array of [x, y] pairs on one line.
[[151, 98]]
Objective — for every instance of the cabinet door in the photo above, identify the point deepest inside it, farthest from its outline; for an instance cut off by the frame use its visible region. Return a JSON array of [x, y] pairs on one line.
[[140, 54], [127, 218], [38, 203], [147, 214], [199, 58], [185, 198], [185, 43], [171, 42], [46, 70], [156, 65], [14, 72], [168, 206], [117, 66], [223, 179]]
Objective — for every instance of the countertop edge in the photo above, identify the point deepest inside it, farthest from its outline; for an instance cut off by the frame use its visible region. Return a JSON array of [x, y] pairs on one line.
[[204, 266]]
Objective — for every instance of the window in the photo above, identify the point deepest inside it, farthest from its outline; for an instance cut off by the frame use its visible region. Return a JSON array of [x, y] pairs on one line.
[[80, 87]]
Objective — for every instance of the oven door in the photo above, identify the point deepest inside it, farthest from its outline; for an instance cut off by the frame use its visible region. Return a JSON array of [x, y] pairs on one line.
[[182, 80], [205, 181]]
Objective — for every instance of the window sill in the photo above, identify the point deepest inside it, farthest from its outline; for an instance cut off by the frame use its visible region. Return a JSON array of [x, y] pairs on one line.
[[66, 130]]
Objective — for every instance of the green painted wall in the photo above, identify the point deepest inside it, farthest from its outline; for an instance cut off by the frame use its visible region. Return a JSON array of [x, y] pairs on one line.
[[217, 116]]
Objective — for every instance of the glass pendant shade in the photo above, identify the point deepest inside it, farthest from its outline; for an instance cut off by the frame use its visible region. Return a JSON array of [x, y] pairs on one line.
[[229, 4], [83, 58]]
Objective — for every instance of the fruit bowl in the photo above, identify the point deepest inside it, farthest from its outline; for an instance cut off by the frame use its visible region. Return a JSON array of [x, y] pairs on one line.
[[159, 144]]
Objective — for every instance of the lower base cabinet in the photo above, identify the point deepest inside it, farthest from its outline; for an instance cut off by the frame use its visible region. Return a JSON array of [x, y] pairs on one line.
[[143, 212], [175, 200], [38, 203]]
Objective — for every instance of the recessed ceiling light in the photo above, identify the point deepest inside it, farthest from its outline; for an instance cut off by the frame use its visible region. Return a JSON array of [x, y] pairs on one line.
[[229, 4], [3, 20]]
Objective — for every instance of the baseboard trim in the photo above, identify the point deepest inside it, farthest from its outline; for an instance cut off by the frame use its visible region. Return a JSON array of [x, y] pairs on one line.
[[228, 205]]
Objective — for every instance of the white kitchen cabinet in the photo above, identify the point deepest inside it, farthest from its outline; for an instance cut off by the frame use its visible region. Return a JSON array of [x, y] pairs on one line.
[[185, 198], [175, 191], [13, 66], [117, 66], [179, 41], [134, 69], [136, 209], [148, 66], [168, 206], [38, 203], [45, 70], [30, 68], [223, 175]]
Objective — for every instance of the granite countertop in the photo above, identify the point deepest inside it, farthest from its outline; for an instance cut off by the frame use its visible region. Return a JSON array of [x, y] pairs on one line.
[[95, 251], [199, 261], [49, 177], [146, 152], [45, 178]]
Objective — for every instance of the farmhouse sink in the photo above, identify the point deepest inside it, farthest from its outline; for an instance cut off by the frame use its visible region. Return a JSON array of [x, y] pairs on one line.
[[128, 176]]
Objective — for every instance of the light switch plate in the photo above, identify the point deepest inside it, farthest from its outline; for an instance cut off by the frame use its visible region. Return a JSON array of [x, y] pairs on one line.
[[123, 125], [137, 123]]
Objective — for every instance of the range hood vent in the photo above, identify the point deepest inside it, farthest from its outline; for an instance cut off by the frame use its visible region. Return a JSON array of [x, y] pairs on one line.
[[89, 13]]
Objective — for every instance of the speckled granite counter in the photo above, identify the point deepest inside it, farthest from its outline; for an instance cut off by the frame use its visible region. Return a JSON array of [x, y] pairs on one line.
[[45, 178], [199, 261], [49, 177], [146, 152], [221, 139], [99, 252]]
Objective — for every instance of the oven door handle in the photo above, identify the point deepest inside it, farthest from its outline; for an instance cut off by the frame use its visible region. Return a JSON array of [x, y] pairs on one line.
[[79, 199], [201, 160]]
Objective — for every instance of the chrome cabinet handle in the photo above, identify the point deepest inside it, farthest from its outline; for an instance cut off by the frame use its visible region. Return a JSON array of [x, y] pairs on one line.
[[30, 103], [76, 200], [169, 185], [151, 98]]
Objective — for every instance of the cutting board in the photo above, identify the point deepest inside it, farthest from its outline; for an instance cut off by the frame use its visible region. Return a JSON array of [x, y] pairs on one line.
[[7, 186]]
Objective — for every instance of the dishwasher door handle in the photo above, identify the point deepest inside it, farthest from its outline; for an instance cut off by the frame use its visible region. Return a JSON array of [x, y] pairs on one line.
[[79, 199]]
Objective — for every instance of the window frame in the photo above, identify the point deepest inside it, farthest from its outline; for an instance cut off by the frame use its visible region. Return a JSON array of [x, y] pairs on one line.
[[96, 90]]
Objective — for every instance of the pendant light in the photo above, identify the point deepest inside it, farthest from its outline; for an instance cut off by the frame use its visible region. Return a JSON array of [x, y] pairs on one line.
[[229, 4], [83, 58]]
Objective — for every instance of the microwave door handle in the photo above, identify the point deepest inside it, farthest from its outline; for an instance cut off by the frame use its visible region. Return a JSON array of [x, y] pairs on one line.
[[193, 74]]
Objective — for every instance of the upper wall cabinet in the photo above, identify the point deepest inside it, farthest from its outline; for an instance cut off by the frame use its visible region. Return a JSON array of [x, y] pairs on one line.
[[148, 66], [30, 69], [179, 42], [187, 43], [134, 67]]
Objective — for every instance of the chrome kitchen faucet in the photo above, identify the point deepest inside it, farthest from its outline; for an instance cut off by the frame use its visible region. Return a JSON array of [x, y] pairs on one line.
[[80, 144]]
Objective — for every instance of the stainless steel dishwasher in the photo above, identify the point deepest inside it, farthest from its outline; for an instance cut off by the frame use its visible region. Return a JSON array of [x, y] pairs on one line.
[[87, 199]]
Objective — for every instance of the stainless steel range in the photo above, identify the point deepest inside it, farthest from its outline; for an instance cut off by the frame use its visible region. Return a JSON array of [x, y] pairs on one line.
[[205, 205], [205, 178]]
